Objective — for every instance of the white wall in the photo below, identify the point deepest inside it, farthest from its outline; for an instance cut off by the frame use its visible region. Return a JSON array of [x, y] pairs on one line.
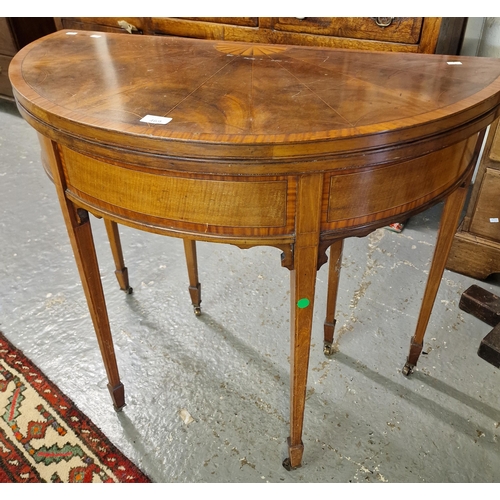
[[482, 37], [490, 39]]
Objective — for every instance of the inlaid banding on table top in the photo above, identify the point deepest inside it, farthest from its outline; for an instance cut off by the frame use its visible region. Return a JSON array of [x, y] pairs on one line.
[[240, 49], [313, 95], [236, 202]]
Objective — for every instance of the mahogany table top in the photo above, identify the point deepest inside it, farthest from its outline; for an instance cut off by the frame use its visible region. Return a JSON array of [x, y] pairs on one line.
[[242, 100]]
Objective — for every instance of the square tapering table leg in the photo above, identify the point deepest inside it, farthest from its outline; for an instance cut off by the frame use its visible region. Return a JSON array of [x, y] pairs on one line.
[[82, 242], [447, 227], [302, 291]]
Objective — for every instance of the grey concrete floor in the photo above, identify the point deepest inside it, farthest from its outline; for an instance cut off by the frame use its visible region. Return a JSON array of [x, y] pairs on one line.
[[228, 369]]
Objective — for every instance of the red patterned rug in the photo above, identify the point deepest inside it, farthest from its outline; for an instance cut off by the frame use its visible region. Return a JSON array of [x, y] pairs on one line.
[[44, 438]]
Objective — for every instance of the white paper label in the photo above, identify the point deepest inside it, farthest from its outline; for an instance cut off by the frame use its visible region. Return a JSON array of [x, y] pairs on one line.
[[454, 62], [160, 120], [494, 219]]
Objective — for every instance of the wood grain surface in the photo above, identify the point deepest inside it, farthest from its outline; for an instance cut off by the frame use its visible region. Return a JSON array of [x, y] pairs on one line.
[[251, 144]]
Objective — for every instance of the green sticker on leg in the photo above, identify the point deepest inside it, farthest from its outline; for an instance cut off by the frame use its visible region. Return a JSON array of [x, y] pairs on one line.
[[303, 303]]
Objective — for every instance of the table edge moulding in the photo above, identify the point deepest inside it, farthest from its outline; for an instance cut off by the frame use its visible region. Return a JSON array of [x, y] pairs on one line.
[[252, 144]]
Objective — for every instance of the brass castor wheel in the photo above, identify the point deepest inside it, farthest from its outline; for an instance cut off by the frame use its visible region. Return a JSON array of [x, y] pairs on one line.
[[287, 465], [197, 311], [408, 369], [328, 349], [128, 290]]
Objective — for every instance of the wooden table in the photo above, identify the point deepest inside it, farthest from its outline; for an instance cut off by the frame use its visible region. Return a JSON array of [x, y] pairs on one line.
[[249, 144]]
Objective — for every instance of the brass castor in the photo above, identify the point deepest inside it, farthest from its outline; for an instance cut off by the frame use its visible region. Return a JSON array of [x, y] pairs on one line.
[[197, 311], [287, 465], [328, 349], [408, 369], [128, 290]]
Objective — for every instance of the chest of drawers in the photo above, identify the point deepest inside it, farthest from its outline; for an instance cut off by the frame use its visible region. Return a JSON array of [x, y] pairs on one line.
[[398, 34]]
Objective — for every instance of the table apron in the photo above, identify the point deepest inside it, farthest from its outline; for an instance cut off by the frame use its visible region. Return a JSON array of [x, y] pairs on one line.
[[239, 207]]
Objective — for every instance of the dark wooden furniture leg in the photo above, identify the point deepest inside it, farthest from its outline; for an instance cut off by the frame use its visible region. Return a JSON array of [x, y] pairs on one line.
[[80, 235], [302, 289], [331, 301], [485, 306], [121, 271], [482, 304], [192, 267]]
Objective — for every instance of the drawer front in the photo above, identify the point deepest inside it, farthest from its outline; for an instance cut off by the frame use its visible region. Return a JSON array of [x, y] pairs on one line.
[[387, 29], [5, 86], [208, 204], [486, 217]]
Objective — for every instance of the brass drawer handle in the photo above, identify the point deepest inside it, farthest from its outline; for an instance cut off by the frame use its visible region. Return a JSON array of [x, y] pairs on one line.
[[383, 22]]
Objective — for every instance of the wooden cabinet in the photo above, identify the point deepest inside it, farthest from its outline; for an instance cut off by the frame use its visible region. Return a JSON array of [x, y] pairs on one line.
[[15, 33], [476, 247], [401, 34]]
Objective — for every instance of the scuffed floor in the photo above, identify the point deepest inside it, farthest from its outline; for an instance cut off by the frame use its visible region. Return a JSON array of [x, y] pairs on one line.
[[207, 397]]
